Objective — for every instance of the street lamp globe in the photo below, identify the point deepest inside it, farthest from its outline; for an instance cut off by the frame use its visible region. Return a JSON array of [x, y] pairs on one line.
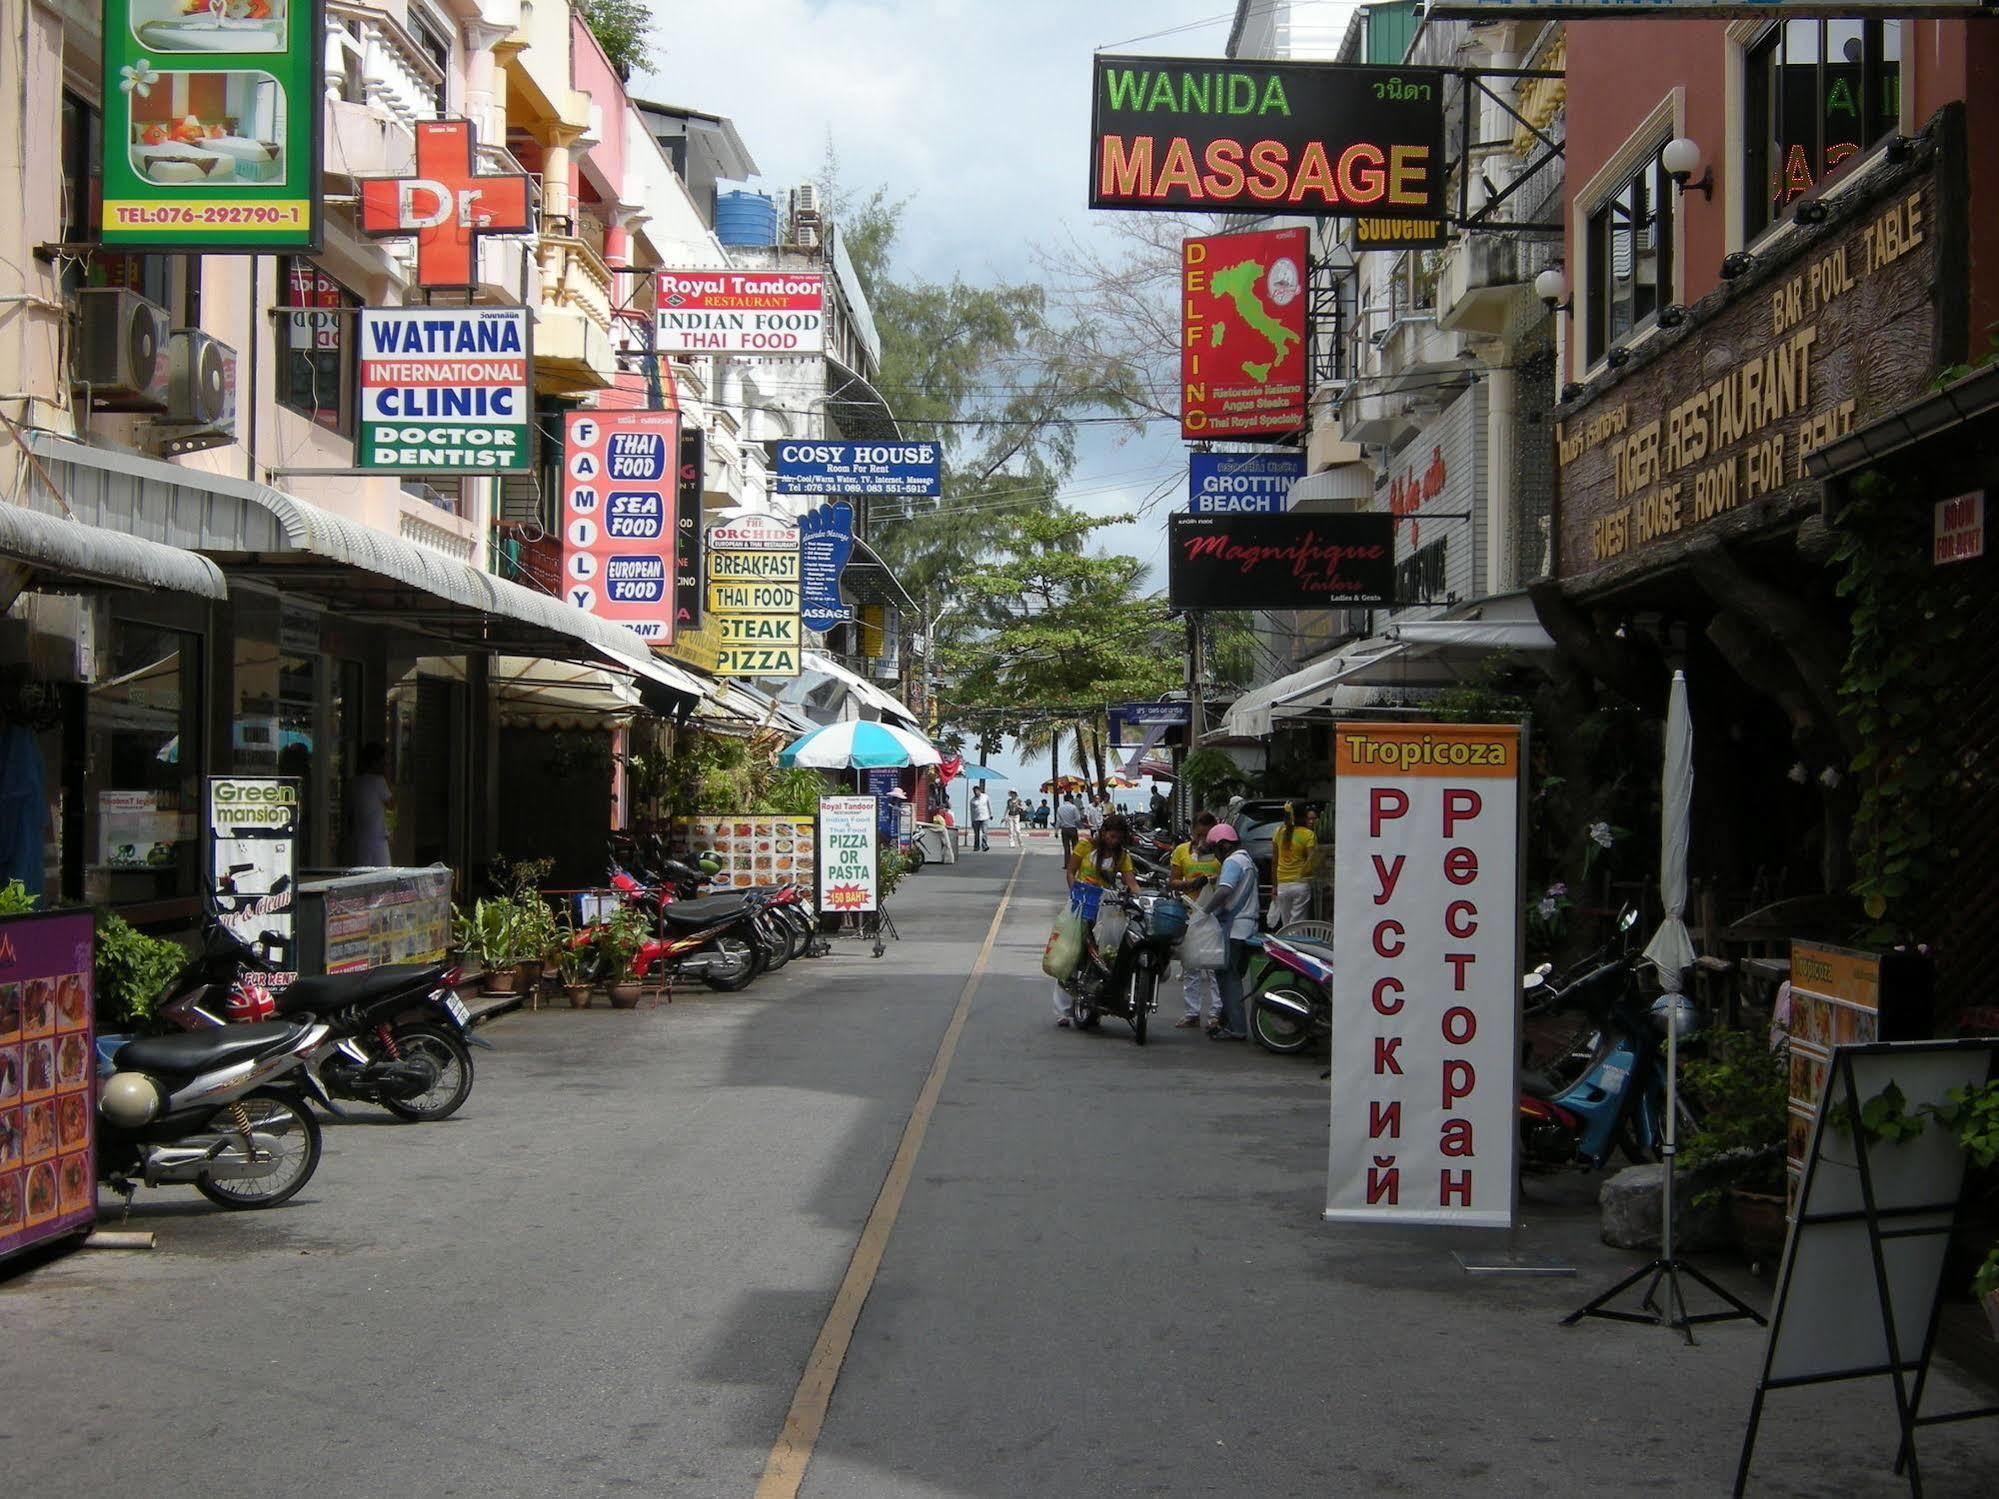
[[1680, 158], [1551, 285]]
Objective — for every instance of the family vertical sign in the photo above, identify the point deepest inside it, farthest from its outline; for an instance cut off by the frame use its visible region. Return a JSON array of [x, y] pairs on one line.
[[1425, 998]]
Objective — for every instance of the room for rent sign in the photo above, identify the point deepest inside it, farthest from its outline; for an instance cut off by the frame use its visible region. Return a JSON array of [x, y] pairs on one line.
[[1425, 995]]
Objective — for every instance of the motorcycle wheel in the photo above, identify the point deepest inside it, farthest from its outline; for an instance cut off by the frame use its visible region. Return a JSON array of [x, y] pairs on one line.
[[800, 927], [297, 1149], [1082, 1014], [741, 970], [1143, 986], [453, 1061], [776, 943], [1277, 1030]]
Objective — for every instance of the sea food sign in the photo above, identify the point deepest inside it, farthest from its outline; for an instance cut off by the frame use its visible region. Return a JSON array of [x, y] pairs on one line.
[[444, 390], [621, 479], [1721, 424], [1318, 139], [212, 125]]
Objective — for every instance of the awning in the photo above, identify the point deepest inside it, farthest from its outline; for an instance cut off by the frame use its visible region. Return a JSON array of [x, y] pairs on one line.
[[1311, 686], [856, 696], [742, 706], [1961, 401], [869, 579], [538, 694], [856, 407], [258, 532], [75, 551]]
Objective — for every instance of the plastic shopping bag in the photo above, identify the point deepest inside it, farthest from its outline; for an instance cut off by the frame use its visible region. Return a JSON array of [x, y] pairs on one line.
[[1203, 946], [1111, 922], [1065, 945]]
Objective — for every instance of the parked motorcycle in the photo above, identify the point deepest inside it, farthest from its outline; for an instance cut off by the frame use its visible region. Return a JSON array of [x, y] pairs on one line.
[[1125, 981], [222, 1110], [397, 1036], [1291, 1003]]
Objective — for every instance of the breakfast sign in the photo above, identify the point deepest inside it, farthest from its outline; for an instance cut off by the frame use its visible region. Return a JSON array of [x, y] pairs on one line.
[[212, 124], [1725, 419]]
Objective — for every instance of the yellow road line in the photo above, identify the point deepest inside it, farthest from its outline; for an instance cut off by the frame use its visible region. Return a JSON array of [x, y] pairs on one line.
[[785, 1470]]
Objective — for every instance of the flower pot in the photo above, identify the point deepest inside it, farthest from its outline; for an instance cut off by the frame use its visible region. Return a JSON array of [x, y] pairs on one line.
[[501, 980], [625, 994], [579, 995], [1759, 1225]]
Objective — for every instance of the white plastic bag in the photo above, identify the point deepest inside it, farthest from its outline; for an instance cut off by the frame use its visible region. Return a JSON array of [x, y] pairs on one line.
[[1111, 922], [1203, 946]]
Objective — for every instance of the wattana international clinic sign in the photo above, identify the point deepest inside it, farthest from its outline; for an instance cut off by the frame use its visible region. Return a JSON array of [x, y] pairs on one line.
[[1220, 136], [211, 124], [444, 390]]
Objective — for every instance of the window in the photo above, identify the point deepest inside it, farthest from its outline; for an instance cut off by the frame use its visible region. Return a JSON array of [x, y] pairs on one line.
[[313, 345], [1630, 258], [1819, 94], [433, 37], [142, 773]]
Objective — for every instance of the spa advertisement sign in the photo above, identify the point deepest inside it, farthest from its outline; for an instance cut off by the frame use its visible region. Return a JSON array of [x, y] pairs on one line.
[[211, 124]]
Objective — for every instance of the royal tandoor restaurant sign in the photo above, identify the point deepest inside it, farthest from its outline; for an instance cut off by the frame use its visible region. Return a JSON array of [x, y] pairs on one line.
[[1725, 418]]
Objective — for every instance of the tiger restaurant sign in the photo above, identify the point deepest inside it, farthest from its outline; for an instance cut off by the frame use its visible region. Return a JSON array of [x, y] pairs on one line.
[[1427, 899], [445, 389], [1242, 335], [1325, 140], [211, 125], [621, 473], [754, 596]]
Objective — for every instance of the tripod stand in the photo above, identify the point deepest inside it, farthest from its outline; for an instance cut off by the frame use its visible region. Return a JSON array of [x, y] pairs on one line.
[[1669, 1310]]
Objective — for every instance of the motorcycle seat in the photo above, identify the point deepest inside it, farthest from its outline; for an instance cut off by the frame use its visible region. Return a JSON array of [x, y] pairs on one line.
[[189, 1052], [322, 993], [1537, 1084], [704, 911]]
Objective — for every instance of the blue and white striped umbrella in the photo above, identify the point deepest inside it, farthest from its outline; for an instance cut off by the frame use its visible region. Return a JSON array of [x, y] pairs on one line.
[[859, 745]]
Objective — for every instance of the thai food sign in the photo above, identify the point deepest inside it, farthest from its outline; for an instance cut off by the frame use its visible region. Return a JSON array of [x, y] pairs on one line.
[[48, 1118], [1325, 140], [212, 124]]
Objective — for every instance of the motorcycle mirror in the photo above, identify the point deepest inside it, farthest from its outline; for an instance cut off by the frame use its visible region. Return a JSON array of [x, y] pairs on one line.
[[1627, 918], [1544, 969], [1532, 981]]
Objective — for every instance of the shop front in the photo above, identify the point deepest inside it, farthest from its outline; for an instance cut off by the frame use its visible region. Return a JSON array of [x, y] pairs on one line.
[[1692, 526]]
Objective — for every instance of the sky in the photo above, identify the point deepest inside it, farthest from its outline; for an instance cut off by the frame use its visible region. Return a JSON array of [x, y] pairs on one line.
[[979, 114]]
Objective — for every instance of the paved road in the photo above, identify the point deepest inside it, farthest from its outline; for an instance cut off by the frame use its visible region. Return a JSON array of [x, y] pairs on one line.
[[1108, 1278]]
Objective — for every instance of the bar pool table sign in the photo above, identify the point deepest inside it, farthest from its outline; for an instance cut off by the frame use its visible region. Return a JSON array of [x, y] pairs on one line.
[[212, 124]]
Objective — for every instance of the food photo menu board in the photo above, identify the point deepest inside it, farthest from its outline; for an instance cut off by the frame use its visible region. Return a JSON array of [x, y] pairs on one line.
[[753, 848], [48, 1122]]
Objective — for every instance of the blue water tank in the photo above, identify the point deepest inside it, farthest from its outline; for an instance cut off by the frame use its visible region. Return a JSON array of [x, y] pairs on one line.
[[746, 219]]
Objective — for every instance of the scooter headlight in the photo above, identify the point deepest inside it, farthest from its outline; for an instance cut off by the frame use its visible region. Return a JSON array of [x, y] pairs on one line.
[[129, 1100]]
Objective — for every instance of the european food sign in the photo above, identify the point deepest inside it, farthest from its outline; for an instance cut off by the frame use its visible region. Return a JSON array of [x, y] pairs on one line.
[[1427, 899], [847, 832], [445, 389], [1324, 140], [1242, 483], [891, 470], [754, 596], [1280, 561], [1242, 335], [621, 471], [211, 125], [48, 1119], [739, 312]]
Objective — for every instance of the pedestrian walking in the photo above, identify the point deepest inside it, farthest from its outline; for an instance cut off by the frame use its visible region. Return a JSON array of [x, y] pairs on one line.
[[1014, 810], [1068, 822], [1095, 865], [1231, 900], [1190, 869], [1042, 814], [1093, 814], [1294, 859], [982, 813]]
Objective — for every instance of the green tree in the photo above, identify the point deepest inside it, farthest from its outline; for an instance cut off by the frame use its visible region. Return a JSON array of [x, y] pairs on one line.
[[623, 28]]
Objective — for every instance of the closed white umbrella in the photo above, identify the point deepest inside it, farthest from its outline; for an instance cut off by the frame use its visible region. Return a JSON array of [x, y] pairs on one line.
[[1671, 950]]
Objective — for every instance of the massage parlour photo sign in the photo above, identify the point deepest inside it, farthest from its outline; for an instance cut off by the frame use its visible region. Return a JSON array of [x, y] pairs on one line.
[[1427, 900]]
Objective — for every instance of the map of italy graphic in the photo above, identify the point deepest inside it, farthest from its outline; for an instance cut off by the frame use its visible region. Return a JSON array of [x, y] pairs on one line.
[[1238, 284]]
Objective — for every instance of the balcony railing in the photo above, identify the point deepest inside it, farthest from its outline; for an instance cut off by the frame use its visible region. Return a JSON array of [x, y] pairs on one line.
[[574, 277], [372, 59]]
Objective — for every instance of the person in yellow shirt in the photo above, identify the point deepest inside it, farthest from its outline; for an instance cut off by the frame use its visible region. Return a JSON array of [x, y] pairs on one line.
[[1190, 868], [1095, 865], [1294, 857]]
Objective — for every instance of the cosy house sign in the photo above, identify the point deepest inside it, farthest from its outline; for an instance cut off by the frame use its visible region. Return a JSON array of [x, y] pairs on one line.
[[1725, 418]]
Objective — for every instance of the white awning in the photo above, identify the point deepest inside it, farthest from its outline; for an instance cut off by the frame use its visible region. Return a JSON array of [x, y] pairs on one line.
[[75, 551], [1252, 715], [862, 699], [1472, 636], [259, 532], [538, 694], [741, 705]]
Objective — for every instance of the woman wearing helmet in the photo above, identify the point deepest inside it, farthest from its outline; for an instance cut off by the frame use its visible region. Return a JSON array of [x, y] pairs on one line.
[[1231, 900]]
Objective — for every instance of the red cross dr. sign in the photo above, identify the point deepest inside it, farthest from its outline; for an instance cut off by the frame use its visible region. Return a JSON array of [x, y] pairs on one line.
[[447, 205]]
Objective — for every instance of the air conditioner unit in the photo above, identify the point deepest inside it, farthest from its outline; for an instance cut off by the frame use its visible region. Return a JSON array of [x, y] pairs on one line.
[[805, 199], [121, 352], [805, 236], [201, 407]]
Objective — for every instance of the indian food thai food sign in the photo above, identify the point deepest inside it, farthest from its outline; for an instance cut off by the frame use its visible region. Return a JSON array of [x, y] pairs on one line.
[[1223, 136], [1718, 428], [212, 124]]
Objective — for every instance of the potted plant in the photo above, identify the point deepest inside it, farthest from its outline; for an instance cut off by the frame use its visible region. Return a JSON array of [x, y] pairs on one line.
[[573, 966], [619, 942], [1740, 1090], [537, 938], [133, 970], [488, 934]]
